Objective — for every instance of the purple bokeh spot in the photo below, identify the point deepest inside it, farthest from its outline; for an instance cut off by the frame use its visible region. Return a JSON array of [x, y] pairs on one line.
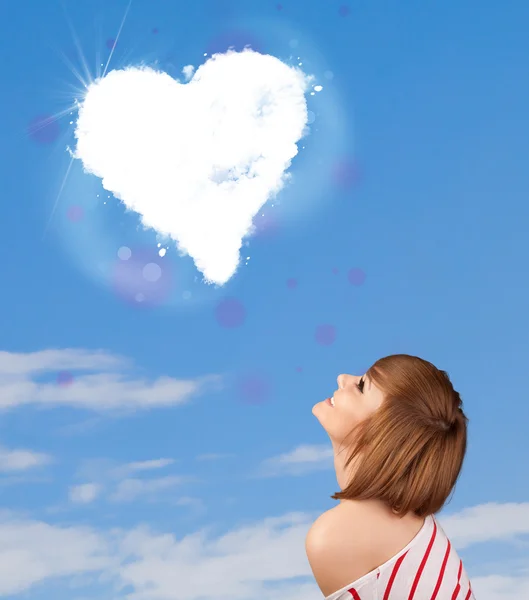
[[344, 10], [266, 225], [346, 173], [299, 369], [325, 335], [356, 276], [75, 213], [236, 40], [335, 271], [230, 313], [44, 129], [111, 43], [279, 6], [142, 279], [64, 379], [254, 389], [155, 30], [292, 283]]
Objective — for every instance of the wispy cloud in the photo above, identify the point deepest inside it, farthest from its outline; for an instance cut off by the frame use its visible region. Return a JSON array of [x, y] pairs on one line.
[[100, 382], [300, 461], [12, 461], [213, 456], [132, 489], [123, 483], [33, 363], [149, 465], [106, 470], [190, 501], [262, 559]]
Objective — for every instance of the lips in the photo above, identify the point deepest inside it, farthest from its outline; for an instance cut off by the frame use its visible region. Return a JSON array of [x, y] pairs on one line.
[[330, 402]]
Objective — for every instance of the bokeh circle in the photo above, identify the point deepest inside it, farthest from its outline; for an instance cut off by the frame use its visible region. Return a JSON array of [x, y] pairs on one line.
[[44, 129], [254, 389], [64, 379], [356, 276], [141, 277], [325, 335], [230, 313], [75, 213]]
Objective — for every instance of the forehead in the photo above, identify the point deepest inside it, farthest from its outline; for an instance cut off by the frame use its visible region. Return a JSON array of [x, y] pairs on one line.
[[371, 385]]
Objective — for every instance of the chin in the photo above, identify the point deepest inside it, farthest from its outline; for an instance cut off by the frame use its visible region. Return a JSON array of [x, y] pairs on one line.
[[318, 410]]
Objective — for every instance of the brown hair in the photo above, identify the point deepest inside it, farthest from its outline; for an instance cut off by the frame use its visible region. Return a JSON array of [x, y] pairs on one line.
[[410, 451]]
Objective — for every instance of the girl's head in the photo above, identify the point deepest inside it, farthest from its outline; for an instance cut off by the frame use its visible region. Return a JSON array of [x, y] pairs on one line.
[[404, 430]]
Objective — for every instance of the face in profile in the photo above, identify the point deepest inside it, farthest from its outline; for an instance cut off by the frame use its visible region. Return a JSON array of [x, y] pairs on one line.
[[356, 398]]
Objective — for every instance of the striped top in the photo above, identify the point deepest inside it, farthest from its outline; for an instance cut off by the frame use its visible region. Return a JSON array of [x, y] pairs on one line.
[[428, 568]]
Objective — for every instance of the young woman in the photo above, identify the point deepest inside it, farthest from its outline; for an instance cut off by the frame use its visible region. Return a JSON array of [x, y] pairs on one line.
[[399, 436]]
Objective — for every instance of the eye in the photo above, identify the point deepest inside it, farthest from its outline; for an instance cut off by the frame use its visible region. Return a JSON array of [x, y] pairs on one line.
[[360, 385]]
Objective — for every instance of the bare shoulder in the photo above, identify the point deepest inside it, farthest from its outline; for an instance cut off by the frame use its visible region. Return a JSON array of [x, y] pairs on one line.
[[338, 546]]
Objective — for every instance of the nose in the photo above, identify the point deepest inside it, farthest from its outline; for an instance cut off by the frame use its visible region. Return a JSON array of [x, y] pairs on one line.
[[344, 379]]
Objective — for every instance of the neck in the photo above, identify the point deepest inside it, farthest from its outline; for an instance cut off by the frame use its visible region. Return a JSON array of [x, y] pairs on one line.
[[343, 473]]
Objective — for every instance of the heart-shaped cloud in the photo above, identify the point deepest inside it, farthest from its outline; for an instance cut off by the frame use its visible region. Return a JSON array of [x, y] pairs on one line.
[[197, 160]]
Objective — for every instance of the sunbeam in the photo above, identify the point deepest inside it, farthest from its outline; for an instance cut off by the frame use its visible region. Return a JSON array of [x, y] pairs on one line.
[[86, 80], [89, 77], [56, 203], [117, 37], [73, 69]]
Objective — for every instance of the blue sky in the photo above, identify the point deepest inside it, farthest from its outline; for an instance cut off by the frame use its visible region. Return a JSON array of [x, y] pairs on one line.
[[429, 105]]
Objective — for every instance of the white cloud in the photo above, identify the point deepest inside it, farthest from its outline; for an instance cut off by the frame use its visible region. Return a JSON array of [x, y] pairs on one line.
[[503, 522], [303, 459], [106, 386], [188, 71], [500, 587], [256, 561], [237, 565], [84, 493], [33, 552], [196, 161], [21, 460]]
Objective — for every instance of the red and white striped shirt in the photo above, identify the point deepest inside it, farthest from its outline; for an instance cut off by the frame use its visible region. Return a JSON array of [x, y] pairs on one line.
[[428, 568]]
